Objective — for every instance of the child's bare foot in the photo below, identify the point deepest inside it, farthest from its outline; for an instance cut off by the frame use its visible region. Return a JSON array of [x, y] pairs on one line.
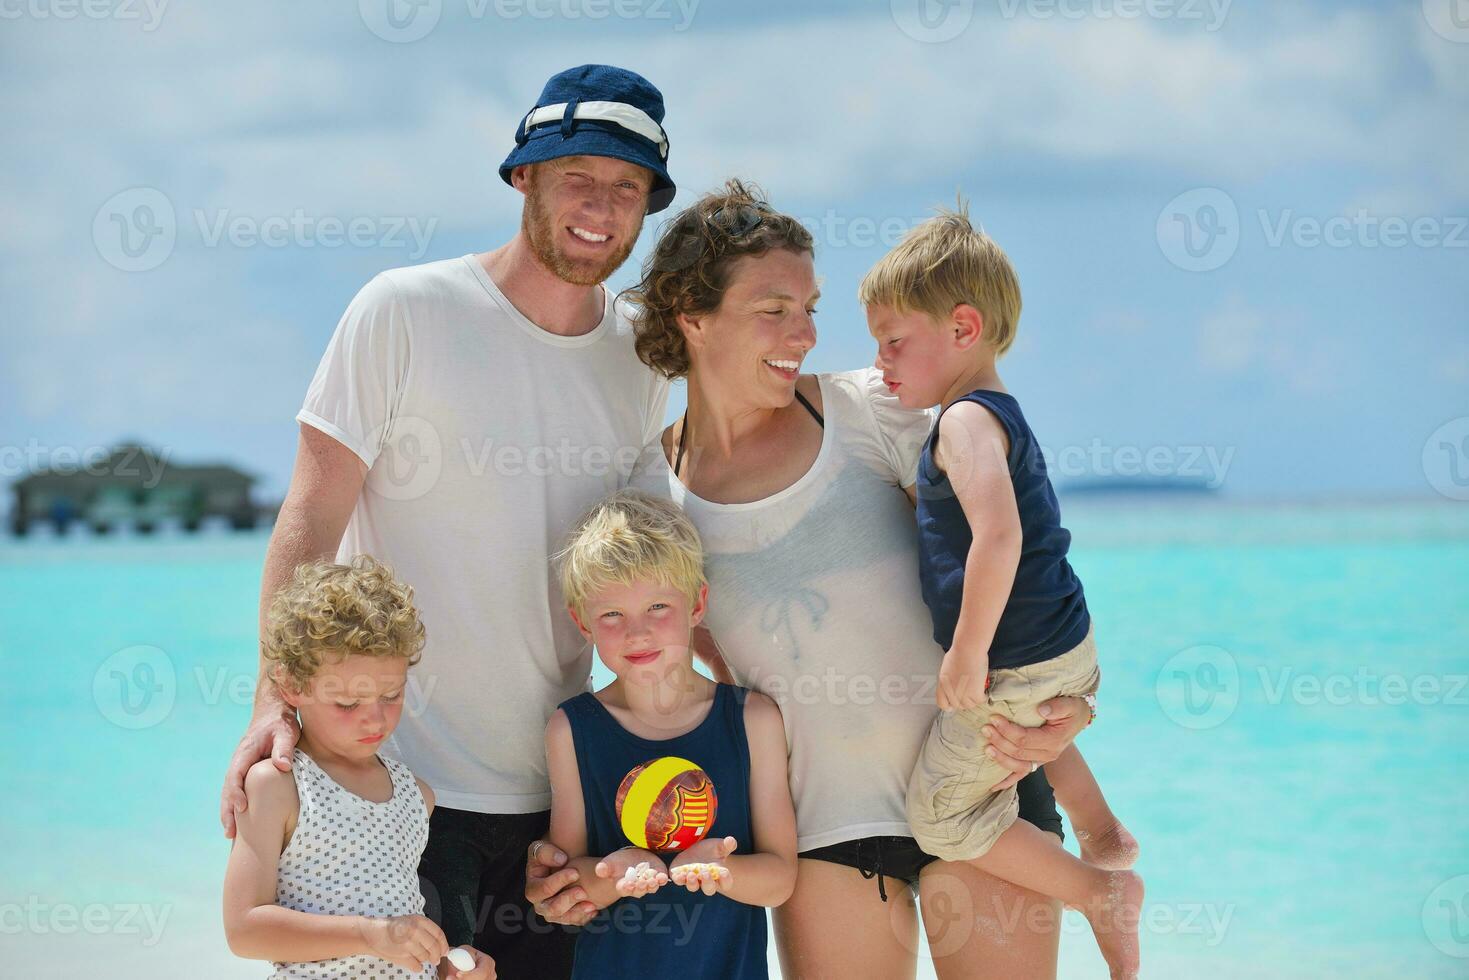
[[1115, 921], [1113, 849]]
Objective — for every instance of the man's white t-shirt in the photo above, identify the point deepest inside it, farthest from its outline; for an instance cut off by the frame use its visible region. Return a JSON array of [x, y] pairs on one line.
[[486, 437]]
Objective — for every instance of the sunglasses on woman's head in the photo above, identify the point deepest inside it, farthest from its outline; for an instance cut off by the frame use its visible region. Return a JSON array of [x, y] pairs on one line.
[[740, 219]]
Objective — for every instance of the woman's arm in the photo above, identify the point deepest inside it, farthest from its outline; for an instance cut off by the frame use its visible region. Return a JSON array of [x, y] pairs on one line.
[[257, 928], [768, 875]]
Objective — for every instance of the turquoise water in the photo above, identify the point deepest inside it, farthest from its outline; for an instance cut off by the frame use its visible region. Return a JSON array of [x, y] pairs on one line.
[[1283, 703]]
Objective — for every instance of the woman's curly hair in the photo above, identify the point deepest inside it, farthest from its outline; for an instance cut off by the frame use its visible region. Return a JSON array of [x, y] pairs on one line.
[[688, 269], [338, 610]]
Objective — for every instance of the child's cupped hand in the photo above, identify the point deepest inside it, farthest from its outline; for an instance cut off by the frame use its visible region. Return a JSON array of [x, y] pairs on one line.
[[963, 681], [483, 969], [636, 872], [701, 867], [408, 941]]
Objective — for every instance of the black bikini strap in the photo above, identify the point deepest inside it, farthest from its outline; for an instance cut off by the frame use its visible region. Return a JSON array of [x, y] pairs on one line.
[[814, 413], [683, 436]]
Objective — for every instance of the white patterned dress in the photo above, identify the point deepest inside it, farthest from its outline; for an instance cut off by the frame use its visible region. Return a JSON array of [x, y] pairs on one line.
[[351, 856]]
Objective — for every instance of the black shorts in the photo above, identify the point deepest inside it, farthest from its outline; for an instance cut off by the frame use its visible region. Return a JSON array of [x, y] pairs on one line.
[[901, 858], [473, 878]]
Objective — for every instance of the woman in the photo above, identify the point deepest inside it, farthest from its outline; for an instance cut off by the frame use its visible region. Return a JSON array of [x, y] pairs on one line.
[[797, 485]]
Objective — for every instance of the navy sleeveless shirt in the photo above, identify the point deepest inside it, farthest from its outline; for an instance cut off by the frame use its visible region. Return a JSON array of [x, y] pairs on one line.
[[1046, 614], [672, 932]]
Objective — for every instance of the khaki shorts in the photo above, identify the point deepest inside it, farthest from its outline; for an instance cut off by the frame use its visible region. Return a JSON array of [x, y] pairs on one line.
[[951, 810]]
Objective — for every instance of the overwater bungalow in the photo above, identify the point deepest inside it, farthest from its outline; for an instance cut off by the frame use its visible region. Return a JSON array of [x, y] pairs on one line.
[[132, 486]]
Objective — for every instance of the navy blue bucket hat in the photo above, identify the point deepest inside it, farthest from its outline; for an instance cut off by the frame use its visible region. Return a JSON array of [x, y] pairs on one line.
[[602, 111]]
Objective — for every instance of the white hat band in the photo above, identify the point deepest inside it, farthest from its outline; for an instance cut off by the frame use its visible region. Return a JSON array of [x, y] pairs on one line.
[[629, 117]]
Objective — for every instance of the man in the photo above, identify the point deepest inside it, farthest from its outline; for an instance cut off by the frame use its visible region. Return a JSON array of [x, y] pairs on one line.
[[465, 413]]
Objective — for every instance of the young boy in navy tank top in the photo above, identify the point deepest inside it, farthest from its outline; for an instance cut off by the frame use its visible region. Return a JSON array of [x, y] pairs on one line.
[[633, 576], [1007, 607]]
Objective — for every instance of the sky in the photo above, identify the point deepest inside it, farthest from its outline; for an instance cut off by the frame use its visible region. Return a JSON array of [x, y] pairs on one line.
[[1241, 228]]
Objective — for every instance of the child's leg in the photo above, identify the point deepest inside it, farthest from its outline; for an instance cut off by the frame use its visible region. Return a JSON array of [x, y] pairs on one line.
[[1110, 900], [1105, 843]]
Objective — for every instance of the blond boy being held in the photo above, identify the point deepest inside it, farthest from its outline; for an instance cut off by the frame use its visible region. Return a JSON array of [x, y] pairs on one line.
[[1006, 605]]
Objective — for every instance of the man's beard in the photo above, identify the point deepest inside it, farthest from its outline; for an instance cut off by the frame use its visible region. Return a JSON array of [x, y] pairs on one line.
[[536, 223]]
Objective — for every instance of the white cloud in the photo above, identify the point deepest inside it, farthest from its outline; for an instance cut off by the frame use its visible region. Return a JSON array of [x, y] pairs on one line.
[[1277, 344]]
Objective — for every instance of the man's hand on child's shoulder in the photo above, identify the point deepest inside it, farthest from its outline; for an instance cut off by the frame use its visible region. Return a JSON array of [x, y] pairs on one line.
[[271, 737]]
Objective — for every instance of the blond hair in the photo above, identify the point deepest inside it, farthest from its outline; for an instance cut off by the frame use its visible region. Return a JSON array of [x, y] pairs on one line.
[[629, 537], [339, 610], [945, 262]]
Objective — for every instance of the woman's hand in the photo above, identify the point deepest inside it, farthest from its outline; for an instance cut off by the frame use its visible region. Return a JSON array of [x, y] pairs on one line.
[[555, 895], [1021, 749]]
